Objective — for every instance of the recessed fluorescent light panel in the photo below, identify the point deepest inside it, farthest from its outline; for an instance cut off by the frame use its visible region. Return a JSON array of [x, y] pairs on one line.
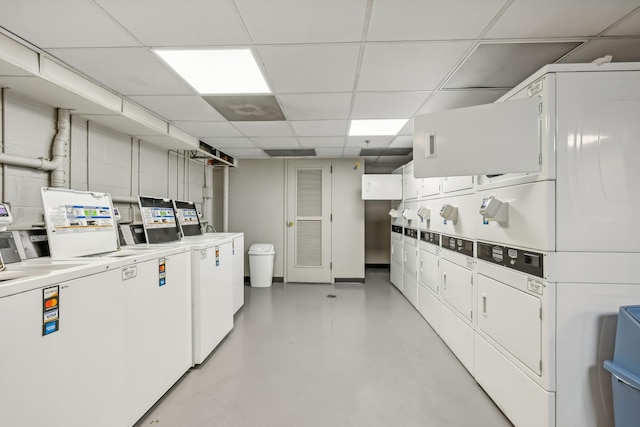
[[376, 127], [222, 71]]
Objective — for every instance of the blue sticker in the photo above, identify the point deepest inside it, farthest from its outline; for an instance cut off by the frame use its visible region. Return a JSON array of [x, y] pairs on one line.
[[485, 221], [163, 282], [445, 222], [50, 327]]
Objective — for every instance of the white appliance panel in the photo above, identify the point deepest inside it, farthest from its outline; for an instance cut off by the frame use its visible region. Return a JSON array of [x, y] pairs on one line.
[[451, 184], [395, 275], [598, 152], [466, 141], [381, 187], [523, 401], [465, 226], [81, 363], [429, 307], [238, 272], [397, 249], [410, 289], [429, 187], [411, 257], [456, 288], [586, 325], [410, 185], [512, 318], [531, 216], [458, 335], [157, 332], [428, 270]]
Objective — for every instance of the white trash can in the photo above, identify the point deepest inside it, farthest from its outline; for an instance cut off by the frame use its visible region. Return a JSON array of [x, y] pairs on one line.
[[261, 264]]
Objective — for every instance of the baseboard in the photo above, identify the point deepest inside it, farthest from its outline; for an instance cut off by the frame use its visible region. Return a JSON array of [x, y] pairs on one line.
[[247, 280], [386, 266], [349, 280]]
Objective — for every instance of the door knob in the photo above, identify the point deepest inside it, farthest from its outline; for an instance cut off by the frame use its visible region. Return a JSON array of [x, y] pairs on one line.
[[290, 224]]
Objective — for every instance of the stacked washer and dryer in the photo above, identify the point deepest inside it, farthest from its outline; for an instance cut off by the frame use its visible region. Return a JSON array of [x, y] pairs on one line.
[[527, 248]]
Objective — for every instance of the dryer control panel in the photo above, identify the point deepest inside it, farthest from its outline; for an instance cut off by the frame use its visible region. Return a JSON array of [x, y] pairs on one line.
[[457, 244], [396, 229], [517, 259], [411, 232], [430, 237]]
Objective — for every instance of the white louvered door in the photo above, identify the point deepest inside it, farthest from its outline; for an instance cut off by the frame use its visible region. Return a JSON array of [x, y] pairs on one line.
[[308, 221]]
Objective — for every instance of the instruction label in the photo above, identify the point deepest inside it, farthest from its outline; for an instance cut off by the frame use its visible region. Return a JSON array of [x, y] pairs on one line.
[[80, 219], [162, 272], [187, 216], [158, 217], [50, 310], [217, 256]]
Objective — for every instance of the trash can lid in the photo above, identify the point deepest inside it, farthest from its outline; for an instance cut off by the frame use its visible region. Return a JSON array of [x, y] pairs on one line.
[[634, 311], [261, 249]]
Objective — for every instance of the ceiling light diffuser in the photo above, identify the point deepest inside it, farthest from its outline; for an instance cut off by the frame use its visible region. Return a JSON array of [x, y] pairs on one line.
[[376, 127], [222, 71]]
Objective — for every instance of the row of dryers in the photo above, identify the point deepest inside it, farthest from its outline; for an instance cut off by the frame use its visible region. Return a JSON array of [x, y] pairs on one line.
[[528, 257], [96, 333]]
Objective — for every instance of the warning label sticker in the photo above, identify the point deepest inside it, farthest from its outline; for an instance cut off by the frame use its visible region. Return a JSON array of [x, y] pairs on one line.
[[80, 219], [158, 217]]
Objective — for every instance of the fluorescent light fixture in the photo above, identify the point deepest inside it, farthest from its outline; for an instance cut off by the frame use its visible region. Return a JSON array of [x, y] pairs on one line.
[[376, 127], [221, 71]]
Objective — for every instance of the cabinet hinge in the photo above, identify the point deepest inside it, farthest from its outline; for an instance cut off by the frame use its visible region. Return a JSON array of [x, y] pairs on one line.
[[331, 266], [471, 315], [541, 366], [331, 169], [331, 218], [540, 159], [540, 312]]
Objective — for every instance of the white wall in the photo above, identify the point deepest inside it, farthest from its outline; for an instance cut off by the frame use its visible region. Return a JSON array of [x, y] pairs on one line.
[[257, 207], [98, 159]]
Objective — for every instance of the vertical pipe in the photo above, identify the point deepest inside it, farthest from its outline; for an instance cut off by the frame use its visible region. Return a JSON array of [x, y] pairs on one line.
[[225, 200], [3, 135]]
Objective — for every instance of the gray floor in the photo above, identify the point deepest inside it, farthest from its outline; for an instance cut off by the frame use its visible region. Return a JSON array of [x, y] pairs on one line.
[[298, 358]]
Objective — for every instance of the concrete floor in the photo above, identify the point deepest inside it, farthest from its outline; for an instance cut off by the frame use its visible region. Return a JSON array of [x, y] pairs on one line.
[[298, 358]]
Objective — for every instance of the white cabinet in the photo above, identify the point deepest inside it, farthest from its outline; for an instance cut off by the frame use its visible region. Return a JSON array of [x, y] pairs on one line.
[[381, 187], [429, 187], [451, 184], [456, 287], [428, 269]]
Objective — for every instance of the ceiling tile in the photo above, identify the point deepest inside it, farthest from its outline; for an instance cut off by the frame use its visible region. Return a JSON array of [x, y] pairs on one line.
[[295, 21], [322, 141], [193, 23], [401, 142], [63, 23], [387, 105], [430, 19], [407, 130], [374, 141], [315, 68], [208, 129], [264, 129], [504, 65], [622, 50], [408, 66], [179, 107], [276, 142], [129, 71], [630, 26], [320, 127], [246, 153], [552, 18], [451, 99], [351, 152], [329, 152], [316, 106], [229, 142]]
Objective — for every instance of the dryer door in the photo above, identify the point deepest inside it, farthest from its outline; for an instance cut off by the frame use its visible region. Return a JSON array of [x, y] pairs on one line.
[[512, 318]]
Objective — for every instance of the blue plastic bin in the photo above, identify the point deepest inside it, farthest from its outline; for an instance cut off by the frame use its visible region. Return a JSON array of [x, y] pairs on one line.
[[625, 368]]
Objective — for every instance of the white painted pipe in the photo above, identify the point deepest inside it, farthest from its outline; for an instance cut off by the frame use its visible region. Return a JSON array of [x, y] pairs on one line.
[[225, 200], [124, 199], [59, 152]]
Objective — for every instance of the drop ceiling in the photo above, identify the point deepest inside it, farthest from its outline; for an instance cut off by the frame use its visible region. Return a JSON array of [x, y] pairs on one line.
[[327, 62]]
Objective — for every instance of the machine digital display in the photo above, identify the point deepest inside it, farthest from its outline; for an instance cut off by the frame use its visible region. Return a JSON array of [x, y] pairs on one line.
[[159, 219], [188, 218]]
